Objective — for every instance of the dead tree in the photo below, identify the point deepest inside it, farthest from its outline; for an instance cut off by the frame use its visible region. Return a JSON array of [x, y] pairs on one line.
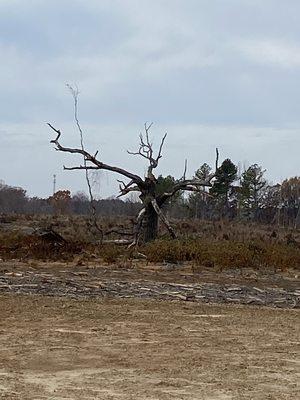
[[146, 227]]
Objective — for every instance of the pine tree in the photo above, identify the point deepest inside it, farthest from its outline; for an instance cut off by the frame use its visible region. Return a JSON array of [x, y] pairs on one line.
[[252, 190], [203, 172], [197, 201], [225, 175]]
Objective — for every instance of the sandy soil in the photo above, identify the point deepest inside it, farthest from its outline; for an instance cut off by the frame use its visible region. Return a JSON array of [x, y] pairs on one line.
[[59, 348]]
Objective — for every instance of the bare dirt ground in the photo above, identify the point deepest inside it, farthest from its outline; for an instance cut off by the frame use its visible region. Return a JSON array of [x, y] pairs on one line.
[[89, 331], [61, 348]]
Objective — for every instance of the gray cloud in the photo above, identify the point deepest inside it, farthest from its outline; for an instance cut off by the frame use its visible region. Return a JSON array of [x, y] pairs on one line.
[[210, 73]]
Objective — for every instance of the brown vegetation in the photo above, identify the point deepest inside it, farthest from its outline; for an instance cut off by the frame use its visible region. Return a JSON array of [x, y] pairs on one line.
[[201, 244]]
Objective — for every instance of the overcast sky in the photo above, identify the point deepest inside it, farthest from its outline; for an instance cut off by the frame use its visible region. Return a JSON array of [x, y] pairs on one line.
[[211, 73]]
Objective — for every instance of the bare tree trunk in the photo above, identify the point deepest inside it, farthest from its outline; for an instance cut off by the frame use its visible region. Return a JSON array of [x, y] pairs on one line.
[[297, 219], [150, 224]]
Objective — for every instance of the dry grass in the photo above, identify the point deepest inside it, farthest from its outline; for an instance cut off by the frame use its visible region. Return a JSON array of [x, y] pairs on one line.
[[22, 247], [216, 245], [225, 254]]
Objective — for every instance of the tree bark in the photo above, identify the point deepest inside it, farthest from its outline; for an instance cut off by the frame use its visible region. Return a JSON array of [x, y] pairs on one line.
[[163, 218], [150, 224]]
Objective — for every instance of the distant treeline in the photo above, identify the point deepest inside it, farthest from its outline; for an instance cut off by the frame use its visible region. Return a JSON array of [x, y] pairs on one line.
[[233, 196], [15, 200]]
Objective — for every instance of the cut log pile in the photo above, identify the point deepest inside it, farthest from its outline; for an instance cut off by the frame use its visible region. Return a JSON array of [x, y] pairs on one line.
[[82, 284]]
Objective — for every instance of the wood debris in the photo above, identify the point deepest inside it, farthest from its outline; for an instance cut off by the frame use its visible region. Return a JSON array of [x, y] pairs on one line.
[[85, 284]]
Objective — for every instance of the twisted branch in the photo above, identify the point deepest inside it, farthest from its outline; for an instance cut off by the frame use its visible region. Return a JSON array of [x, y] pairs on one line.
[[146, 149], [92, 159]]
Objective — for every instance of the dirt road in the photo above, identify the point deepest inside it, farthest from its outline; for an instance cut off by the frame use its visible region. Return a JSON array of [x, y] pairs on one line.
[[59, 348]]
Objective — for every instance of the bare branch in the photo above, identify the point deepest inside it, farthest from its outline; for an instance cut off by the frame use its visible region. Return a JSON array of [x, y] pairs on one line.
[[184, 171], [127, 188], [146, 149], [121, 233], [192, 185], [90, 158], [55, 130], [161, 147], [79, 167], [163, 218], [75, 94], [138, 153], [138, 226], [217, 158]]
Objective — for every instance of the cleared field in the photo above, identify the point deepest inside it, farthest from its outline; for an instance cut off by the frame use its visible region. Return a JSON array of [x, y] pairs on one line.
[[59, 348]]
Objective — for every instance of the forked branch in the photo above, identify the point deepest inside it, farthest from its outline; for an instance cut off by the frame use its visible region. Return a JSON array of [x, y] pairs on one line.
[[146, 149], [127, 188]]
